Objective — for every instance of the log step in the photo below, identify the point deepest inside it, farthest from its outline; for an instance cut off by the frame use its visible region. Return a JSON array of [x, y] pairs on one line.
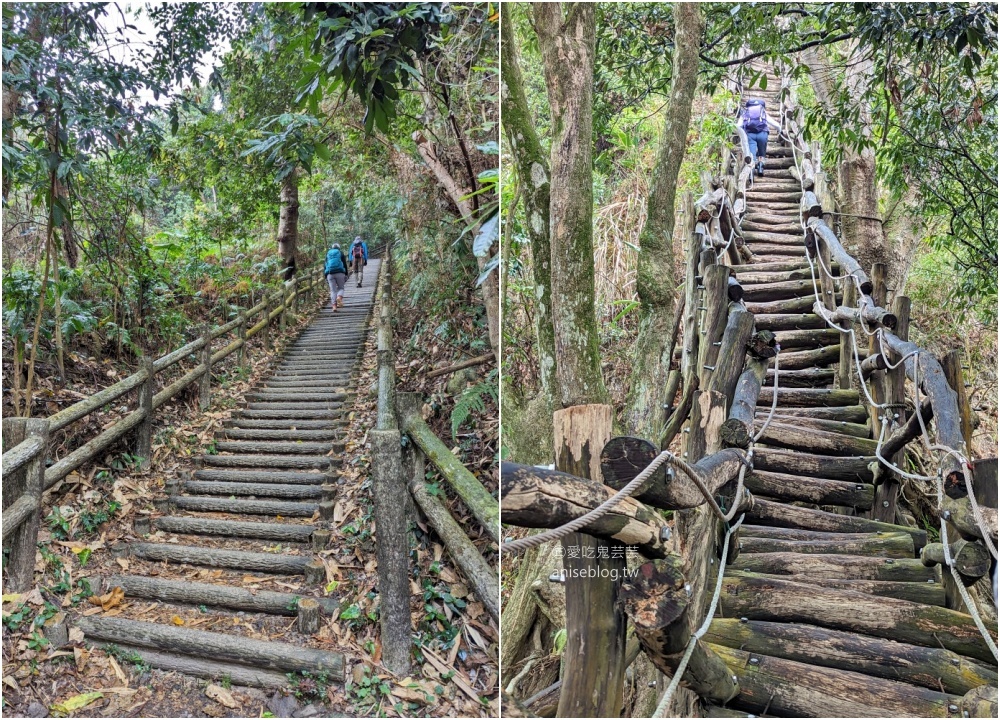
[[190, 593], [766, 512], [781, 290], [250, 434], [761, 248], [775, 237], [213, 646], [323, 407], [275, 508], [283, 424], [286, 414], [263, 490], [809, 359], [789, 321], [277, 447], [796, 462], [319, 462], [847, 413], [279, 564], [811, 377], [847, 428], [794, 437], [809, 397], [918, 592], [283, 532], [794, 339], [793, 689], [779, 600], [820, 491], [839, 566], [931, 668], [896, 545], [280, 477]]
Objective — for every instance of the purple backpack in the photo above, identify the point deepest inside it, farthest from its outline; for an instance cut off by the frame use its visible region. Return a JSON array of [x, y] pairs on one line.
[[754, 117]]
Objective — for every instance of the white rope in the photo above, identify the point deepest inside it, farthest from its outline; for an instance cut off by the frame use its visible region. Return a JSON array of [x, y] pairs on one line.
[[661, 708]]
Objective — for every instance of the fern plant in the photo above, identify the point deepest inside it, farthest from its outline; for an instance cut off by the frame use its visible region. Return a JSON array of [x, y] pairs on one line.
[[473, 399]]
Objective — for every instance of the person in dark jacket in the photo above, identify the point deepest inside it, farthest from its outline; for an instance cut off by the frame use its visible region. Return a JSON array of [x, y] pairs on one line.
[[336, 275]]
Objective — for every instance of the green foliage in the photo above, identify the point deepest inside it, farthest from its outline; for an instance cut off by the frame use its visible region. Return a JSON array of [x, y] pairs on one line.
[[473, 400]]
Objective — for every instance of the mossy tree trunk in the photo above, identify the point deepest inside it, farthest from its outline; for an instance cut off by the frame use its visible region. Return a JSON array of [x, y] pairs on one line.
[[657, 280], [288, 223], [533, 170], [566, 38]]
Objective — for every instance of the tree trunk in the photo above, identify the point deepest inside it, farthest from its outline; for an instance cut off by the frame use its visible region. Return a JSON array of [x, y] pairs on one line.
[[567, 43], [656, 279], [288, 223], [533, 170]]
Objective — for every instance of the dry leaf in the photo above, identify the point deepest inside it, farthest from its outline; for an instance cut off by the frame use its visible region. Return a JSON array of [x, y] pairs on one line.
[[177, 620], [221, 695], [80, 656], [118, 669], [108, 600], [75, 635], [123, 562], [76, 702]]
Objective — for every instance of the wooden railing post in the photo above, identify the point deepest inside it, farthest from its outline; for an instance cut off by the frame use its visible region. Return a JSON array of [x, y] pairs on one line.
[[392, 542], [846, 352], [241, 331], [951, 363], [877, 380], [887, 493], [27, 481], [205, 382], [267, 322], [144, 433], [594, 671]]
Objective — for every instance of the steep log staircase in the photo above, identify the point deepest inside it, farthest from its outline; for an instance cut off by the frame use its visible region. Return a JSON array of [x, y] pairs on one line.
[[826, 612], [252, 516]]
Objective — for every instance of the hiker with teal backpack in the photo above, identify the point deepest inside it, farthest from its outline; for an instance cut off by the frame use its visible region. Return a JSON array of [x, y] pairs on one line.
[[335, 271], [755, 123], [359, 257]]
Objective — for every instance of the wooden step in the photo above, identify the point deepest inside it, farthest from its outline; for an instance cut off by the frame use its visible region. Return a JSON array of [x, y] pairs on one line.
[[836, 566], [810, 377], [782, 290], [809, 397], [761, 248], [854, 429], [247, 489], [290, 477], [277, 563], [766, 512], [787, 688], [932, 668], [809, 359], [318, 462], [279, 423], [799, 339], [274, 508], [777, 600], [789, 321], [287, 414], [847, 413], [250, 434], [822, 491], [283, 532], [894, 545], [276, 447], [777, 238], [923, 593], [797, 462], [216, 646], [787, 434]]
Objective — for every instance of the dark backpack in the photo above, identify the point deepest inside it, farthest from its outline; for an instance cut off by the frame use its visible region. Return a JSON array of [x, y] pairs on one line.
[[754, 117], [359, 252]]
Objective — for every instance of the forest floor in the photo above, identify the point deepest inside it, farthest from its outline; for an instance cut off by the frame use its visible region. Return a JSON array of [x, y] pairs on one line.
[[457, 641]]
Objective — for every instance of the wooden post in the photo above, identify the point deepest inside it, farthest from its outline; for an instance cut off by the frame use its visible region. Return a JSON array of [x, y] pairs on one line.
[[887, 493], [594, 670], [267, 322], [392, 541], [144, 433], [952, 366], [283, 320], [24, 482], [241, 331], [877, 379], [205, 382], [716, 302], [845, 366], [295, 293], [826, 283]]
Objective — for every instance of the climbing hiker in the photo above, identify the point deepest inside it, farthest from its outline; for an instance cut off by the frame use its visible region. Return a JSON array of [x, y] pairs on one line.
[[336, 275], [359, 257], [755, 122]]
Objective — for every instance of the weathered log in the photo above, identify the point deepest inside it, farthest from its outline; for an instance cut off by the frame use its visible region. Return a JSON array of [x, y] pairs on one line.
[[924, 593], [932, 668], [779, 600], [856, 414], [808, 176], [794, 689], [191, 593], [763, 344], [782, 290], [951, 364], [790, 339], [737, 430], [26, 440], [853, 468], [790, 321], [682, 412], [809, 397], [781, 307], [215, 557], [248, 507], [539, 498], [656, 601], [714, 319], [233, 528], [809, 206], [214, 646], [208, 669], [839, 426], [959, 513], [848, 567], [867, 313], [790, 435], [820, 357], [729, 360], [821, 491], [847, 263], [707, 204], [813, 377], [594, 659], [765, 512], [239, 489], [895, 545], [970, 559], [980, 702], [476, 570], [483, 506]]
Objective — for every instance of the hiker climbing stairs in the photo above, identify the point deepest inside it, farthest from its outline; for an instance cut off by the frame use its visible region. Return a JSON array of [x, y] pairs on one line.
[[825, 611], [225, 580]]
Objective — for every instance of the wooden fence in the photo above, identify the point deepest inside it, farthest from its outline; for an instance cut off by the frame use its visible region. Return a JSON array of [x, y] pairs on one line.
[[25, 476], [398, 479]]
